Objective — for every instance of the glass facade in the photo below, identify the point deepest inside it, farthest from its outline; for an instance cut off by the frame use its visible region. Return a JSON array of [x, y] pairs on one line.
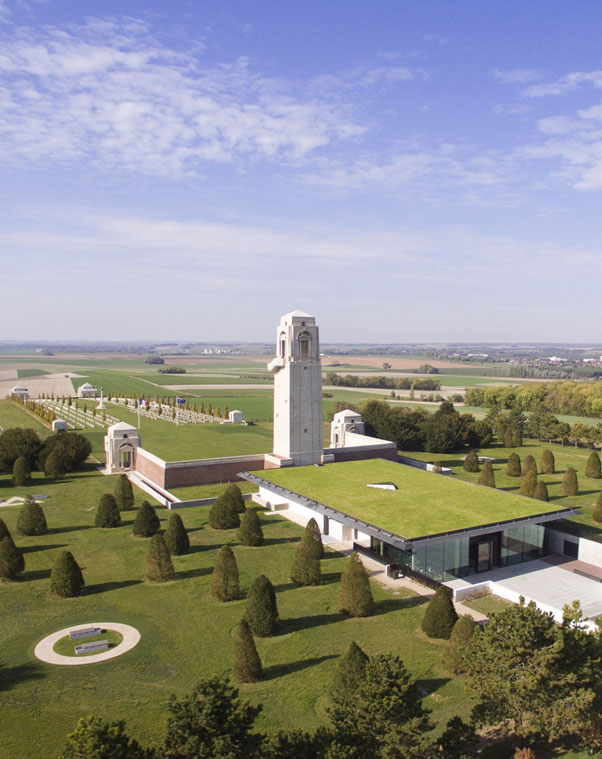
[[522, 544], [442, 561], [390, 553]]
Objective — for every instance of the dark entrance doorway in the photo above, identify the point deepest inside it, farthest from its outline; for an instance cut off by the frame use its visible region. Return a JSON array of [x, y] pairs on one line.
[[484, 555]]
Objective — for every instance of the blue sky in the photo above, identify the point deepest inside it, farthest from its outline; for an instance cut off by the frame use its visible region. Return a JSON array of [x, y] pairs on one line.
[[406, 171]]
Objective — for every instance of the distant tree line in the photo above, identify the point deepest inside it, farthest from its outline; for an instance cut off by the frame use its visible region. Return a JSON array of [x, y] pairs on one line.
[[172, 370], [388, 383], [154, 360], [574, 398]]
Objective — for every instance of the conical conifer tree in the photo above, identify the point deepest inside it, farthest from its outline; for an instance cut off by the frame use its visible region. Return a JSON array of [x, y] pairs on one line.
[[4, 531], [547, 463], [225, 584], [159, 567], [176, 537], [107, 512], [12, 563], [597, 513], [313, 531], [349, 673], [459, 643], [487, 476], [513, 467], [529, 465], [570, 483], [541, 491], [306, 569], [146, 522], [234, 494], [440, 615], [528, 484], [593, 468], [250, 532], [355, 594], [261, 609], [471, 462], [246, 663], [517, 438], [66, 579], [124, 493], [54, 468], [223, 514], [21, 472], [508, 438], [31, 520]]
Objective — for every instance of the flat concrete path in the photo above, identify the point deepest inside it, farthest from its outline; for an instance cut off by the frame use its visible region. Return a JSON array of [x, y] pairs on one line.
[[44, 650]]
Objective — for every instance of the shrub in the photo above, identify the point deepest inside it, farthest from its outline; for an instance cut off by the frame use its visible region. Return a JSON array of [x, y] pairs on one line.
[[349, 672], [487, 476], [547, 463], [541, 491], [66, 579], [124, 493], [528, 484], [72, 448], [246, 662], [592, 468], [250, 532], [159, 567], [225, 584], [459, 643], [54, 468], [107, 512], [355, 594], [570, 483], [176, 537], [16, 443], [312, 531], [471, 462], [12, 562], [529, 465], [508, 438], [440, 615], [517, 438], [4, 531], [31, 520], [223, 514], [21, 472], [234, 494], [261, 609], [305, 569], [146, 522], [513, 467], [93, 738], [597, 513]]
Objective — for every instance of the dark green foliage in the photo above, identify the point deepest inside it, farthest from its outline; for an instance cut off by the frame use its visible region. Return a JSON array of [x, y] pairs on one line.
[[471, 462], [124, 493], [54, 468], [246, 663], [592, 468], [66, 579], [517, 438], [541, 491], [349, 673], [507, 438], [528, 484], [250, 532], [72, 448], [107, 512], [176, 537], [306, 569], [529, 465], [16, 443], [261, 609], [146, 522], [159, 567], [212, 722], [234, 494], [223, 515], [487, 476], [513, 468], [12, 563], [459, 643], [313, 531], [93, 738], [480, 435], [225, 584], [4, 531], [355, 594], [570, 483], [546, 462], [444, 431], [440, 615], [31, 520], [458, 741], [21, 472], [597, 512]]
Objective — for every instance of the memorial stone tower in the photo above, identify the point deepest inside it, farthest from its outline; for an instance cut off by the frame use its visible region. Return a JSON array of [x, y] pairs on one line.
[[297, 392]]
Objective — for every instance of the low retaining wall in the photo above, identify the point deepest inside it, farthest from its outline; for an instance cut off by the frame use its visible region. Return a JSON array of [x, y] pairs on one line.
[[417, 464], [589, 551]]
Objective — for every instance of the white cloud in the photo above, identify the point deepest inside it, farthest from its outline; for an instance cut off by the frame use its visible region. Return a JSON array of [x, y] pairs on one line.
[[513, 76], [565, 84]]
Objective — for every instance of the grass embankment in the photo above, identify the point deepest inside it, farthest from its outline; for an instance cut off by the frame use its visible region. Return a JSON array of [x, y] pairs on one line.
[[12, 415]]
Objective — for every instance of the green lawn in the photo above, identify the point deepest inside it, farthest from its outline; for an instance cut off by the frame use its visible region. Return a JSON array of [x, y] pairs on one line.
[[66, 647], [12, 415], [191, 379], [209, 491]]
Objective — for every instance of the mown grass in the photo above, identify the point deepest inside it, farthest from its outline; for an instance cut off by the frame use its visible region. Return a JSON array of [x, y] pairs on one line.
[[66, 647], [12, 415]]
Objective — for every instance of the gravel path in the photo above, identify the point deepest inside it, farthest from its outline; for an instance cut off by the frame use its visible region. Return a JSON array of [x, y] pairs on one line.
[[44, 650]]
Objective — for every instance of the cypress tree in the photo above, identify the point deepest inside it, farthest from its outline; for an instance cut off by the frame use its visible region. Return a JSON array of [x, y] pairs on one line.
[[528, 465], [124, 493], [31, 520], [146, 522], [570, 483], [528, 484], [517, 438], [246, 663], [597, 513], [508, 438], [355, 594], [107, 512], [471, 462], [261, 609], [66, 579], [312, 531], [21, 472], [513, 465], [541, 491], [234, 494], [547, 463], [54, 467], [440, 615], [223, 514], [459, 643], [592, 468], [12, 563], [176, 537], [349, 673], [487, 476], [159, 567], [306, 569], [4, 531], [250, 532], [225, 584]]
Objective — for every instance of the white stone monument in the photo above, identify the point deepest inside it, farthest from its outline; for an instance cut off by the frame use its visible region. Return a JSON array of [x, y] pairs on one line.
[[236, 417], [297, 392], [345, 422], [87, 391], [59, 424], [121, 442]]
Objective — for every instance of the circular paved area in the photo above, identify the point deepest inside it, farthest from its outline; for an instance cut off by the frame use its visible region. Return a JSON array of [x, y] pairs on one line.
[[44, 650]]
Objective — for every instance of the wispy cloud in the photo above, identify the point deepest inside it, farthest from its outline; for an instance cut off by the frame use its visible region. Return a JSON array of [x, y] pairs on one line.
[[564, 84], [514, 76]]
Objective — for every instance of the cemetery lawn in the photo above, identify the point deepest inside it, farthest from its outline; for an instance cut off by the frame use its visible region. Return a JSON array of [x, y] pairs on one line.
[[66, 647], [185, 632], [12, 415]]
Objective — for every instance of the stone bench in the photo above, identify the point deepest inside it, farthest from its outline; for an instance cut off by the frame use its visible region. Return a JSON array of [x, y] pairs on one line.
[[97, 645], [85, 632]]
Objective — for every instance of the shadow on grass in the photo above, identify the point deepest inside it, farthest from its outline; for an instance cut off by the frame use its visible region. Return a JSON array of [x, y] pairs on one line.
[[35, 574], [103, 587], [305, 623], [11, 676], [284, 586], [278, 541], [397, 604], [33, 549], [279, 670], [330, 577], [428, 686], [73, 528], [332, 555], [198, 572], [204, 547]]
